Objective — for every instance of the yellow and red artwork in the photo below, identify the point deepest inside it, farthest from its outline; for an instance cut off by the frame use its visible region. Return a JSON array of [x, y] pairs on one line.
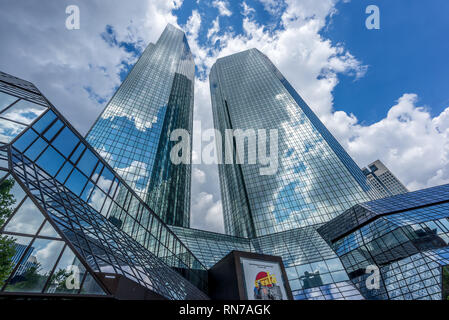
[[265, 279]]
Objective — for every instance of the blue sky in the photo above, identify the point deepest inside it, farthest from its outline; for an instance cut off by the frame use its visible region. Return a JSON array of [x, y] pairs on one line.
[[382, 93], [408, 53]]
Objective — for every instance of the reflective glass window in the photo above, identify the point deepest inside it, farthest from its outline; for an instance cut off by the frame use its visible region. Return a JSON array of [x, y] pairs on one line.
[[319, 266], [120, 194], [90, 286], [339, 276], [15, 190], [291, 273], [48, 231], [23, 111], [113, 188], [9, 130], [53, 130], [45, 121], [27, 219], [105, 208], [63, 174], [303, 269], [77, 153], [445, 223], [105, 180], [87, 190], [295, 284], [87, 162], [76, 182], [97, 199], [3, 164], [34, 271], [6, 100], [36, 148], [68, 274], [97, 171], [50, 161], [66, 141], [25, 140], [20, 246], [2, 174], [334, 264]]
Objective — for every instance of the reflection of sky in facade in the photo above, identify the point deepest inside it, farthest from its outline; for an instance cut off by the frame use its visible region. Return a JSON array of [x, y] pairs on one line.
[[15, 117], [316, 179], [409, 245], [49, 158], [130, 129]]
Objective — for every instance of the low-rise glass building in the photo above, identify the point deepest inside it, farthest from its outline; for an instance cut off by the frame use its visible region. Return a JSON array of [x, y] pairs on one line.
[[405, 238], [74, 226]]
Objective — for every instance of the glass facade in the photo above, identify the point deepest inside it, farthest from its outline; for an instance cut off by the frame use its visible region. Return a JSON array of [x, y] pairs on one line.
[[133, 132], [316, 178], [313, 269], [211, 247], [314, 212], [405, 236], [71, 209], [64, 209]]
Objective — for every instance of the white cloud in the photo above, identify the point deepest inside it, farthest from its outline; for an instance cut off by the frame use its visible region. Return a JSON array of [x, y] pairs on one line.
[[193, 25], [191, 29], [273, 6], [36, 46], [198, 175], [247, 10], [214, 217], [132, 173], [27, 220], [412, 143], [46, 253], [213, 30], [140, 120], [408, 140], [222, 7], [297, 47], [208, 213]]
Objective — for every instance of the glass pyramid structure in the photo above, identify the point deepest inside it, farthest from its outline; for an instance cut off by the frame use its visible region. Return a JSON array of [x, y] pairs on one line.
[[70, 225]]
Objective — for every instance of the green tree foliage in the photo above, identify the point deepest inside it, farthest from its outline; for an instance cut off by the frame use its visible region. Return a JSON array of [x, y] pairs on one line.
[[446, 283], [30, 279], [7, 248], [59, 278], [6, 199]]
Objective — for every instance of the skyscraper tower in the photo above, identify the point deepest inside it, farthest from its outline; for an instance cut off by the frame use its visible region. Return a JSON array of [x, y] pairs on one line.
[[316, 179], [133, 131], [383, 180]]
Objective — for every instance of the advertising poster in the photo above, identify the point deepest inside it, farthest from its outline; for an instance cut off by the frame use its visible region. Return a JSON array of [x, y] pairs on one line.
[[263, 280]]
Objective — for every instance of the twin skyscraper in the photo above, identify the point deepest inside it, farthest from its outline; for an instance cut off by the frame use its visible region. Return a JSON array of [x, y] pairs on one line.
[[133, 132], [316, 179], [114, 210]]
